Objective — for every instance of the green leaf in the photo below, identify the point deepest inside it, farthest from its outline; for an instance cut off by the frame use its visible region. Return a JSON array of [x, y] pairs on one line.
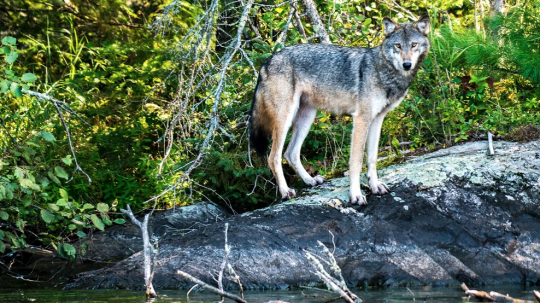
[[88, 206], [81, 234], [4, 215], [67, 159], [2, 235], [29, 77], [72, 226], [15, 89], [97, 222], [4, 86], [54, 207], [60, 172], [102, 207], [54, 178], [43, 180], [64, 194], [61, 202], [26, 183], [9, 193], [11, 57], [19, 173], [119, 221], [4, 50], [47, 216], [2, 247], [2, 192], [78, 222], [70, 250], [8, 40], [47, 136]]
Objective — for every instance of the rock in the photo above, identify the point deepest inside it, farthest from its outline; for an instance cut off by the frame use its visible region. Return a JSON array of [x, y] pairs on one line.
[[120, 242], [455, 215]]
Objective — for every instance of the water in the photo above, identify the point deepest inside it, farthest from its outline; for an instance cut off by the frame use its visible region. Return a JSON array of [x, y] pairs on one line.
[[416, 295]]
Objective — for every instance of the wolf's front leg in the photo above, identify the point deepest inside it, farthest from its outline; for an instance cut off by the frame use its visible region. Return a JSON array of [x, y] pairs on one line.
[[372, 151], [360, 128]]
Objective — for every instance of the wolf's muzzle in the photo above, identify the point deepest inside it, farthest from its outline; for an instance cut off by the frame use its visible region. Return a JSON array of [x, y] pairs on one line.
[[407, 65]]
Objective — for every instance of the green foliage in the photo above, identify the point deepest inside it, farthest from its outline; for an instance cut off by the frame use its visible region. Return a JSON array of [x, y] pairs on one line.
[[9, 82]]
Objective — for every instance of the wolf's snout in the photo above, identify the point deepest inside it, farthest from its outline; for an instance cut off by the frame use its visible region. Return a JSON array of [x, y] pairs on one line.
[[407, 65]]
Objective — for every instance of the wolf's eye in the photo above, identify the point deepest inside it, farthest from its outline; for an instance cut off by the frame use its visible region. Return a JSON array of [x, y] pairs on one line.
[[398, 45], [414, 44]]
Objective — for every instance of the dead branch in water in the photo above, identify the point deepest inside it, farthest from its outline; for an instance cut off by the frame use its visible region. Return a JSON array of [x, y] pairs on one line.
[[211, 288], [219, 290], [493, 296], [149, 253], [338, 284]]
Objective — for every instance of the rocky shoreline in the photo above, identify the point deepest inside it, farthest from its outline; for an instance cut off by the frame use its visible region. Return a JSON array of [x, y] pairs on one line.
[[455, 215]]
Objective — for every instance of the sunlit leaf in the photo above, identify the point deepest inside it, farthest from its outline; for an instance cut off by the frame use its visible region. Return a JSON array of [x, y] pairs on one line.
[[47, 216], [97, 222]]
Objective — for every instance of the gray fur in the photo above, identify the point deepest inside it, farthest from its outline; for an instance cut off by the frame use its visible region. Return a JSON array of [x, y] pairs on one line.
[[365, 83]]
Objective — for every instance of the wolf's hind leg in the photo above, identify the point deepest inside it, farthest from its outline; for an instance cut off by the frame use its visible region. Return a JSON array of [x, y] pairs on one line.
[[359, 134], [374, 134], [284, 116], [301, 125]]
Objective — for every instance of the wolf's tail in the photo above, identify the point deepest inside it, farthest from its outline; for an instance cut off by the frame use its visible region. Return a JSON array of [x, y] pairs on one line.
[[258, 134]]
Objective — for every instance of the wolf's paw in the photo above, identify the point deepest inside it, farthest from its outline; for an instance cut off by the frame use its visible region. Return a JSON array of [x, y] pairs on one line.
[[291, 194], [318, 179], [379, 188], [358, 199]]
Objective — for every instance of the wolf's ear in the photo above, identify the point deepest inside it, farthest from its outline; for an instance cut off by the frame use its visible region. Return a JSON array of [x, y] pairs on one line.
[[389, 26], [423, 24]]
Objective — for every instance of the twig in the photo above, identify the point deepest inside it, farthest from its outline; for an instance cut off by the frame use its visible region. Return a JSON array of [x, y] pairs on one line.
[[57, 104], [338, 286], [148, 253], [299, 26], [189, 291], [536, 295], [211, 288], [490, 143]]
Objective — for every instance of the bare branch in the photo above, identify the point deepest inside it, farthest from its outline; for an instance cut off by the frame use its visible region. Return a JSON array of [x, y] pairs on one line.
[[211, 288], [57, 104], [234, 46], [149, 254]]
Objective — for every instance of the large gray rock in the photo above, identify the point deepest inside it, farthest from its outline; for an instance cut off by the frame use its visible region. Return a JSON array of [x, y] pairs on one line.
[[455, 215]]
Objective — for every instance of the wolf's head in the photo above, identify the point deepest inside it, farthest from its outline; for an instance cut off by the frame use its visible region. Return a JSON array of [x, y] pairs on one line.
[[406, 44]]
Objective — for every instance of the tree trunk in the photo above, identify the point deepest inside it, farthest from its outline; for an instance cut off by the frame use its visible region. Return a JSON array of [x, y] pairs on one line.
[[497, 6], [318, 26]]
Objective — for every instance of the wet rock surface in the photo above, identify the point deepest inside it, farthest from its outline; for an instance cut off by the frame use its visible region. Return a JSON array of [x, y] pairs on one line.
[[455, 215]]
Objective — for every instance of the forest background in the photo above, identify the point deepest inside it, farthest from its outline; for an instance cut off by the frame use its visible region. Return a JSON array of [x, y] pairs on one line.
[[146, 103]]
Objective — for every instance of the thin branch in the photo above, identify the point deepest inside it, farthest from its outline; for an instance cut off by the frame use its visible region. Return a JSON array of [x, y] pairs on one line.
[[211, 288]]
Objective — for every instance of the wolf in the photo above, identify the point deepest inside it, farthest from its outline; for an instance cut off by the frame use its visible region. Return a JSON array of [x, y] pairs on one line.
[[365, 83]]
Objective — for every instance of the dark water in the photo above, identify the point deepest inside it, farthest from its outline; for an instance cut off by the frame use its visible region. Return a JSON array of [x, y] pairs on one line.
[[416, 294]]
